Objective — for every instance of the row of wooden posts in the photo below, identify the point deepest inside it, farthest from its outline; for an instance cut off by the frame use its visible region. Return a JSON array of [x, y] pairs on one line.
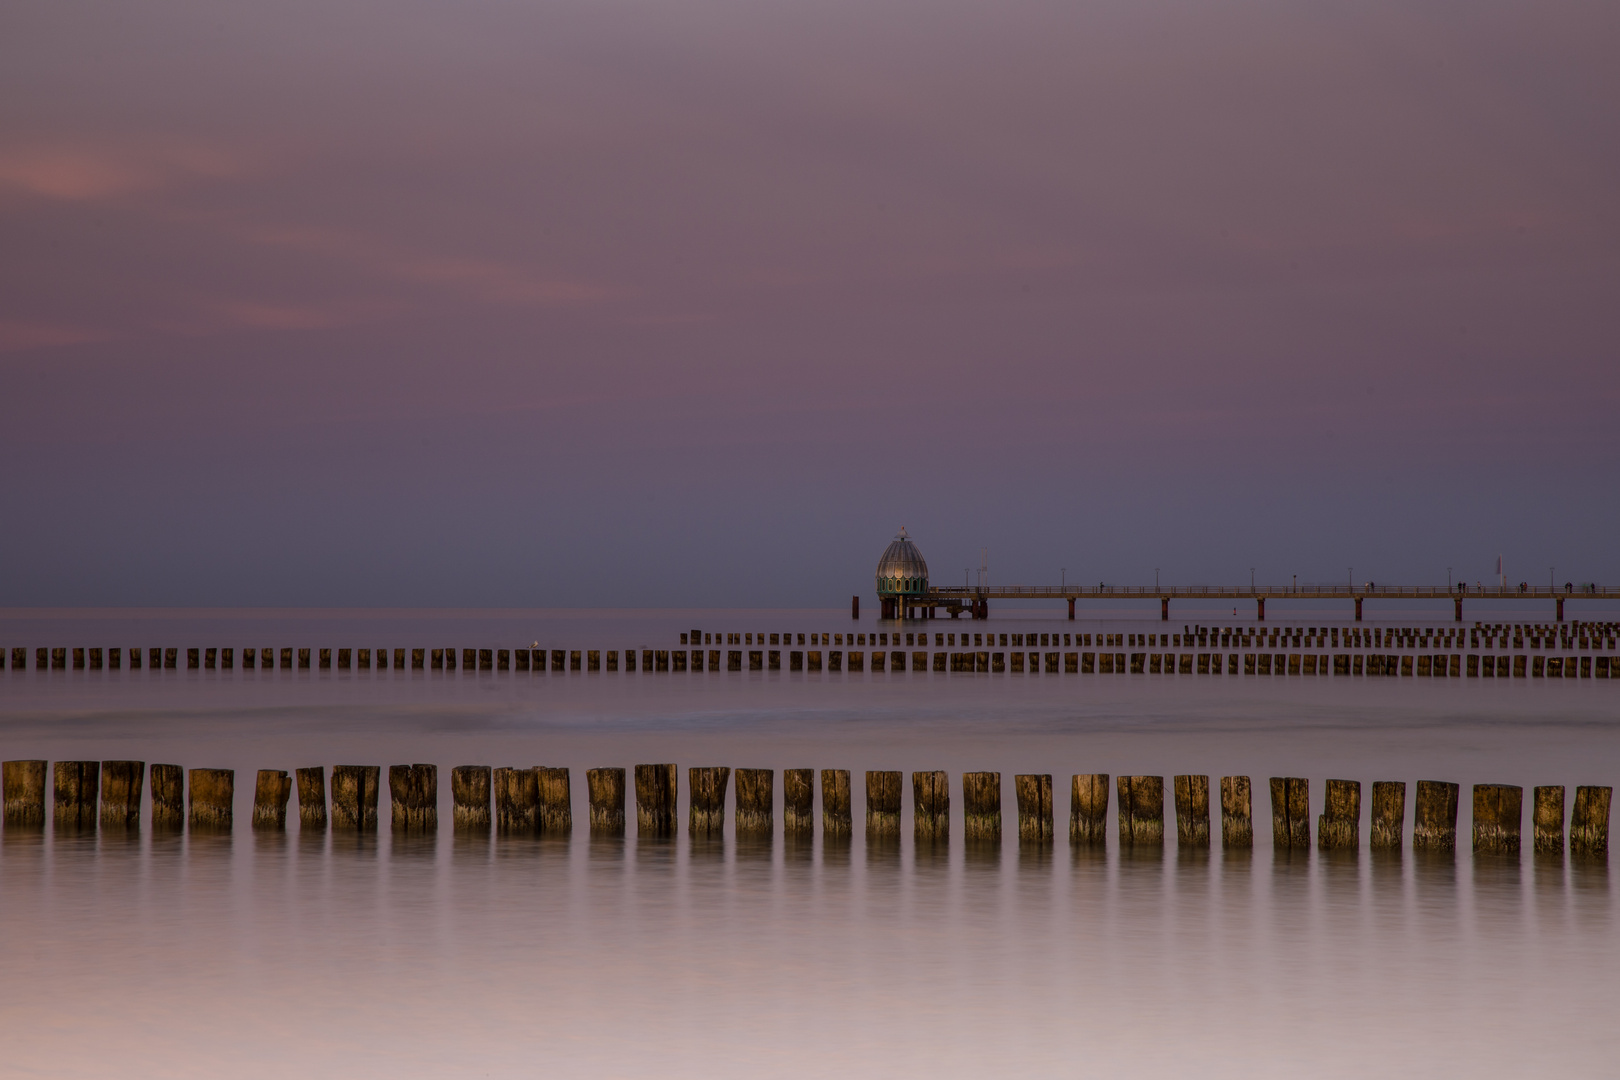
[[538, 801]]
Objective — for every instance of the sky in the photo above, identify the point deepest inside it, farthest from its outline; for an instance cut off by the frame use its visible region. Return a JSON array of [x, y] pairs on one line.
[[695, 303]]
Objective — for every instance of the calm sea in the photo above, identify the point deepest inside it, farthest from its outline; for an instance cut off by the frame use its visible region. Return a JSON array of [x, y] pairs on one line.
[[276, 955]]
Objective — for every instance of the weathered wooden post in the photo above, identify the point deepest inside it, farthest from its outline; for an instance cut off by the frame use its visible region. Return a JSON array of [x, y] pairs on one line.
[[1589, 821], [606, 789], [311, 797], [517, 801], [798, 802], [1141, 810], [931, 805], [1088, 809], [1548, 820], [1290, 812], [1388, 815], [707, 811], [556, 800], [1192, 811], [656, 793], [469, 797], [837, 814], [882, 805], [1339, 827], [1435, 824], [1498, 813], [354, 796], [981, 806], [413, 792], [77, 784], [756, 800], [168, 797], [24, 785], [211, 798], [1237, 812], [121, 785], [271, 790], [1035, 820]]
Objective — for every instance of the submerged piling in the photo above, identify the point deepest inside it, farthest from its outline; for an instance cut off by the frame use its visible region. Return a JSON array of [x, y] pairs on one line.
[[1290, 812], [413, 795], [606, 790], [1034, 793], [24, 792], [469, 797], [1339, 827], [656, 793], [706, 812], [1237, 812], [1192, 811], [756, 800], [1435, 824], [517, 802], [837, 814], [1141, 810], [77, 784], [1547, 817], [981, 806], [1589, 822], [1388, 815], [1088, 809], [555, 795], [882, 805], [211, 799], [122, 783], [798, 802], [931, 805], [312, 797], [354, 797], [271, 789], [168, 797], [1498, 814]]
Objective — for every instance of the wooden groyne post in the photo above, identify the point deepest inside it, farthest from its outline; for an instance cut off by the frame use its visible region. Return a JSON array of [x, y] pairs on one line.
[[76, 787], [606, 791], [354, 797], [271, 790], [1035, 816], [837, 813], [168, 797], [517, 801], [122, 784], [1435, 823], [706, 810], [470, 797], [555, 794], [883, 805], [1290, 812], [931, 805], [981, 806], [798, 802], [1547, 820], [1237, 812], [1339, 827], [1589, 822], [211, 798], [656, 794], [1498, 814], [756, 801], [413, 795], [1141, 810], [24, 792], [312, 797], [1088, 809], [1192, 811], [1388, 815]]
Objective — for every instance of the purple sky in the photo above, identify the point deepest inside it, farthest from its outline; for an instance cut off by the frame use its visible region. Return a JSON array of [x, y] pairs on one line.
[[696, 303]]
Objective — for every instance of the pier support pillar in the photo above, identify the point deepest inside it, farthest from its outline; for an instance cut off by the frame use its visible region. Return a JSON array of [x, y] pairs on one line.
[[1458, 602], [1358, 609], [1071, 609], [1164, 609], [855, 608], [1260, 602], [1560, 602]]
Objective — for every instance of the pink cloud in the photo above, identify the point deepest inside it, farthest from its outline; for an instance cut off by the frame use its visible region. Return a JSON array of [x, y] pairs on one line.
[[18, 336], [92, 171]]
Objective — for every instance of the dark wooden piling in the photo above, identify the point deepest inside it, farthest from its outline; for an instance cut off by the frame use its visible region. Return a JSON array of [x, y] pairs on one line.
[[1035, 819], [168, 797], [517, 801], [1192, 811], [1088, 809], [1547, 817], [1290, 812], [76, 787], [271, 790], [354, 796], [1498, 813], [413, 795], [312, 797], [883, 805], [1435, 816], [210, 799], [1388, 815], [470, 796], [1589, 822], [706, 812], [798, 802], [122, 783], [657, 791], [1237, 812], [837, 814], [1339, 826], [606, 788], [756, 799], [24, 791], [556, 800], [981, 806], [931, 805], [1141, 810]]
